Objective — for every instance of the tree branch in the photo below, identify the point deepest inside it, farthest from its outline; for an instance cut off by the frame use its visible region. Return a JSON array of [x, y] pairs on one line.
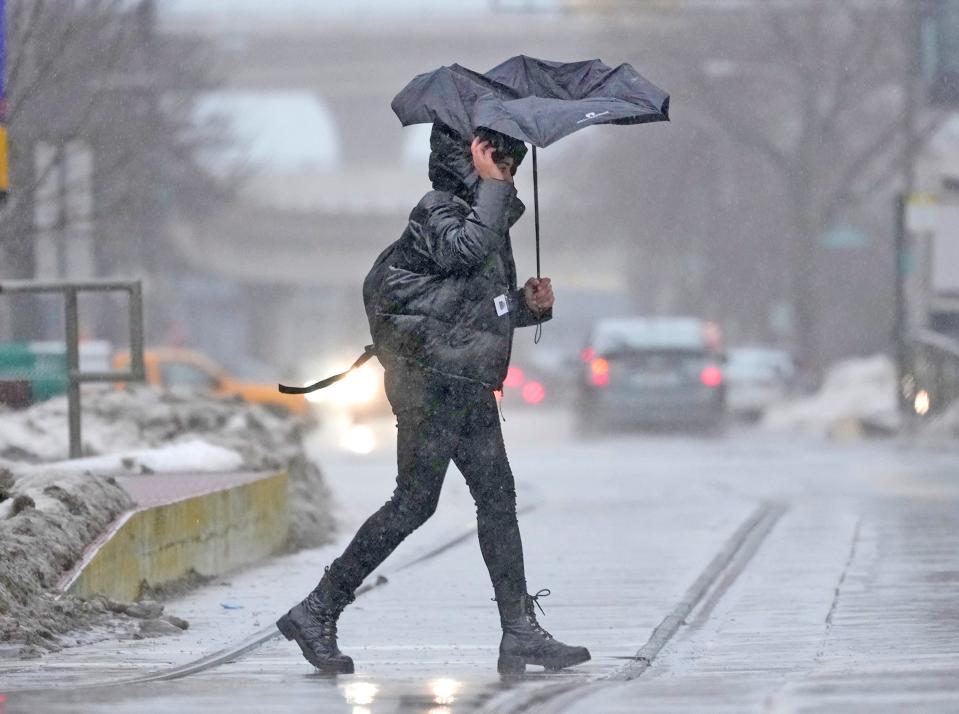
[[32, 22], [862, 46], [731, 123], [885, 174], [74, 27], [774, 16]]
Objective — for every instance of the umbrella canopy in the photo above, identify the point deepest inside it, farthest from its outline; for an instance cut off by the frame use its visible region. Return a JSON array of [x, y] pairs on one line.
[[533, 100]]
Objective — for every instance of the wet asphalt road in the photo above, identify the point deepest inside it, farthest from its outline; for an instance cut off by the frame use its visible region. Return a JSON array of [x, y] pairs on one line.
[[843, 600]]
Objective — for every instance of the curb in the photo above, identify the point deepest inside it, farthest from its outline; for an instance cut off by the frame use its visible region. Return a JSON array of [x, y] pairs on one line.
[[210, 534], [233, 652]]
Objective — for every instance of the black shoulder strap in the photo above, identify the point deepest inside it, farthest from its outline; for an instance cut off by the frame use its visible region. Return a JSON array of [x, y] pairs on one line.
[[368, 352]]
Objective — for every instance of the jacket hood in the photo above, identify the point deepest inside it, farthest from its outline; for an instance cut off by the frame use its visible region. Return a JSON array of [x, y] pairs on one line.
[[452, 170], [451, 163]]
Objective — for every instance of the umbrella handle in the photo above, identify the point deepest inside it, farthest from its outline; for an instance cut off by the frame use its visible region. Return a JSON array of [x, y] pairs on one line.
[[539, 325]]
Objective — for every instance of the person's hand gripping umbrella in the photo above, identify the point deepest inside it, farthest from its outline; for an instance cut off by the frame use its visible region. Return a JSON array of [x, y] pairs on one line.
[[532, 100]]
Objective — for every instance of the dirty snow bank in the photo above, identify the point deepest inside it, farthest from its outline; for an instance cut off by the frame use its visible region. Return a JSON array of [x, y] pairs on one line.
[[51, 509], [50, 521], [857, 397], [120, 424]]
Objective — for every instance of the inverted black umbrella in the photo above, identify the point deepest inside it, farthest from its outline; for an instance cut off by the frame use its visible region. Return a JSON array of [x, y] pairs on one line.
[[536, 101]]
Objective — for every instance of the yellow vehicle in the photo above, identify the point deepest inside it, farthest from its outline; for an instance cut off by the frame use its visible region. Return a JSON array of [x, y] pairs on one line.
[[172, 367]]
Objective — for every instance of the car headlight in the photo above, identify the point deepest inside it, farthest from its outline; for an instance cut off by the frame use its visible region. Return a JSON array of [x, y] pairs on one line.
[[358, 387]]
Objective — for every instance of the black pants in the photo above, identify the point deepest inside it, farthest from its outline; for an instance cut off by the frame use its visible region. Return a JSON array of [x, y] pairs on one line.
[[442, 423]]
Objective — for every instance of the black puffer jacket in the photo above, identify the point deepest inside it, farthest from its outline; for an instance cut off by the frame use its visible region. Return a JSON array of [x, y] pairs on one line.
[[430, 297]]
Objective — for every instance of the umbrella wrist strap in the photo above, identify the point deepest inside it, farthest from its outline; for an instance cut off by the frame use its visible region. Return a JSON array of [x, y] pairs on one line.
[[368, 352]]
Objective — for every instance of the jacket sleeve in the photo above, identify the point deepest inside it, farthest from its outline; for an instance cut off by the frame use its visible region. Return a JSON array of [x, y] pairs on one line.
[[459, 244], [523, 315]]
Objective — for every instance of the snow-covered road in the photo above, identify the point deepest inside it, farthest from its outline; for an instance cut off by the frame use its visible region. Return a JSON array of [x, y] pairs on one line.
[[842, 600]]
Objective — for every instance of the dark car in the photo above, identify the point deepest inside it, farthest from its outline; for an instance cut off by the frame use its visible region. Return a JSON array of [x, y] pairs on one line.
[[651, 372]]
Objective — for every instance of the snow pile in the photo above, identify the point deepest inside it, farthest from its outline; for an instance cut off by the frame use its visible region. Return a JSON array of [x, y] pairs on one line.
[[192, 430], [857, 397], [194, 455], [49, 522], [50, 509]]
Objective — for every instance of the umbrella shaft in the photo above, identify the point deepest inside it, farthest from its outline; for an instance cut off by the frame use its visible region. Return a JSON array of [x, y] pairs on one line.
[[536, 208]]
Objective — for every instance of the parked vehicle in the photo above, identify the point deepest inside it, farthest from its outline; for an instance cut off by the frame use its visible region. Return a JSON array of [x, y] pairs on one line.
[[651, 372], [174, 367], [757, 377]]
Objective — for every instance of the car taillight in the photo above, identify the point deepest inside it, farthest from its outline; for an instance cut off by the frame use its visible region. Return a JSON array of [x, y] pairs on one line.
[[711, 376], [588, 354], [533, 392], [599, 372], [514, 378]]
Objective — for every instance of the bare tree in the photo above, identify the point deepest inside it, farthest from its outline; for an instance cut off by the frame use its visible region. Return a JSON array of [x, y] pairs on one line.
[[822, 91], [809, 116], [97, 73]]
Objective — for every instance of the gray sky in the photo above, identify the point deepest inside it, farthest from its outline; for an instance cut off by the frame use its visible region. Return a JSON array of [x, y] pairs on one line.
[[341, 9]]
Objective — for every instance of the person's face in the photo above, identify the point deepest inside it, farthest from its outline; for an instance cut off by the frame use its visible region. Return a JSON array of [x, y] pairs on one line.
[[507, 165]]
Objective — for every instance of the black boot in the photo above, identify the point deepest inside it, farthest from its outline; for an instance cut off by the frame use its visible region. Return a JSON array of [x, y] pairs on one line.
[[312, 624], [525, 642]]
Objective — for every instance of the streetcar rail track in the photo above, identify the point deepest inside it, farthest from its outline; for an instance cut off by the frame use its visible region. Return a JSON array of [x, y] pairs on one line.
[[704, 593], [243, 647]]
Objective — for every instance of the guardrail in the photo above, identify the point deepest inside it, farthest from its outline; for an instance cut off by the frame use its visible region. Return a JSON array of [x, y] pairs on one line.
[[71, 290], [931, 382]]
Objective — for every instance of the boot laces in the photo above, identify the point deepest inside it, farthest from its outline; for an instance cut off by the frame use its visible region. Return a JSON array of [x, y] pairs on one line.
[[324, 622], [328, 624], [532, 602], [324, 617]]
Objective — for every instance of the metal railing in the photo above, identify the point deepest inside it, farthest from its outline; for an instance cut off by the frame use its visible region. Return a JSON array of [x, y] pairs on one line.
[[931, 382], [70, 291]]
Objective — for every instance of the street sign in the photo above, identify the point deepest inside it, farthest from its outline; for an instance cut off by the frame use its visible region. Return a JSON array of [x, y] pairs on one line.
[[944, 274], [845, 238]]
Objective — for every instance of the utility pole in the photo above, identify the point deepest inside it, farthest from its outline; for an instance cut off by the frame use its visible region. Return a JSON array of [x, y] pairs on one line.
[[902, 250]]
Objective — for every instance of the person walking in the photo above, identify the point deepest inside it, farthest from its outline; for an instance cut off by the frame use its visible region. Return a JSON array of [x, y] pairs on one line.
[[443, 303]]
